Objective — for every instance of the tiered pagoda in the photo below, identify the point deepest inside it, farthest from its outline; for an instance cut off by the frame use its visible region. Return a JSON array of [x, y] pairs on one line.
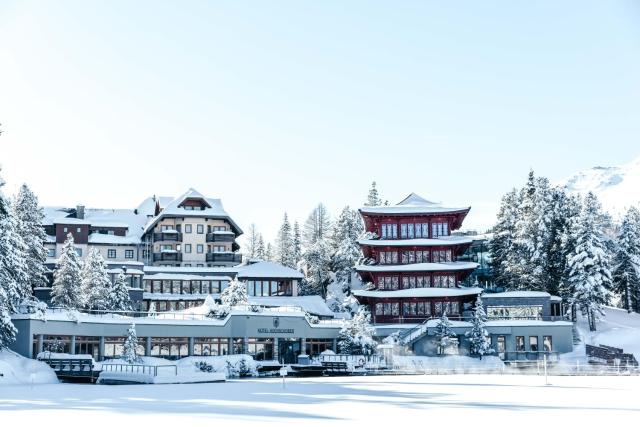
[[410, 262]]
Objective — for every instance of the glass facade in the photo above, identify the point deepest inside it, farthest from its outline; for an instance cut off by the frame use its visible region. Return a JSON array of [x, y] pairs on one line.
[[532, 312], [210, 346]]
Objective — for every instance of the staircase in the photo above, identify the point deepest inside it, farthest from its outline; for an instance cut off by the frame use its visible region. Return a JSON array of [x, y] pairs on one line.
[[409, 336]]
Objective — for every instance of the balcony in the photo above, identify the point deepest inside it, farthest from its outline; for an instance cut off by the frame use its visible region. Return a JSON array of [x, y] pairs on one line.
[[221, 237], [224, 257], [167, 237], [167, 256]]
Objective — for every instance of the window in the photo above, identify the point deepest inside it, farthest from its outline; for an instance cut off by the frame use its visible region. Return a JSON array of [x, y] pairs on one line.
[[218, 248], [200, 249], [515, 312], [501, 344], [187, 248], [65, 229], [389, 231], [166, 227], [110, 232], [546, 343], [200, 228], [51, 252], [533, 343], [439, 229], [519, 343], [78, 251], [187, 228], [78, 230], [128, 253]]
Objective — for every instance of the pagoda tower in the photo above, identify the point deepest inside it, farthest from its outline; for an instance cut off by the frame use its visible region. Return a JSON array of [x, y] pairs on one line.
[[410, 262]]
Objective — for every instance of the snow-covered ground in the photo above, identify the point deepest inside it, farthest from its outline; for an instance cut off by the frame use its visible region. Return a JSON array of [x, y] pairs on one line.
[[354, 401], [617, 329]]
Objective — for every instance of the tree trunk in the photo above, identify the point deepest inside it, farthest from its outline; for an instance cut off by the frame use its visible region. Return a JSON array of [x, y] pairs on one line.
[[592, 321]]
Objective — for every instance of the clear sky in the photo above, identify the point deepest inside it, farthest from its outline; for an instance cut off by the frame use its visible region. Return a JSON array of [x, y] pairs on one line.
[[275, 106]]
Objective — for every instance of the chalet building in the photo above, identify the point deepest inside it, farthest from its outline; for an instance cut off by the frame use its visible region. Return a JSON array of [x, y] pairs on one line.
[[411, 262]]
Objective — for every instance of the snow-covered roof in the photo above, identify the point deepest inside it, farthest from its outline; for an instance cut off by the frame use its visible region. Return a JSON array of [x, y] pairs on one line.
[[267, 269], [441, 241], [525, 322], [110, 239], [310, 303], [96, 217], [517, 294], [419, 293], [178, 276], [555, 298], [71, 221], [423, 266], [412, 204], [213, 209], [150, 269]]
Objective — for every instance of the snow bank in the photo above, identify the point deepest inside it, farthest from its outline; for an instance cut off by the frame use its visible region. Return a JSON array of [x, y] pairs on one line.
[[448, 364], [617, 328], [15, 369]]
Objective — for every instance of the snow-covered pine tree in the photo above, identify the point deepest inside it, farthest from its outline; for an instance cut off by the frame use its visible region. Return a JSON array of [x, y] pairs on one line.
[[284, 244], [356, 334], [317, 263], [501, 245], [66, 290], [14, 277], [589, 265], [626, 273], [268, 253], [527, 259], [373, 199], [252, 242], [95, 281], [260, 249], [444, 334], [234, 294], [29, 217], [130, 346], [346, 232], [563, 209], [478, 335], [296, 250], [118, 297]]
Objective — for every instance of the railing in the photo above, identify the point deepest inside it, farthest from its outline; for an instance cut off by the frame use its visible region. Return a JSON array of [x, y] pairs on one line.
[[138, 369], [220, 237], [515, 356], [224, 257], [167, 237], [167, 256]]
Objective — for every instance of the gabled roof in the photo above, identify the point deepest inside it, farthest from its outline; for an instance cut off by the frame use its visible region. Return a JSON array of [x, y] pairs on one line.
[[413, 204], [173, 209]]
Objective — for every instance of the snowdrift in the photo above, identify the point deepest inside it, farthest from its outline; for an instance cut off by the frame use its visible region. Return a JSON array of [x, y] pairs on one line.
[[15, 369]]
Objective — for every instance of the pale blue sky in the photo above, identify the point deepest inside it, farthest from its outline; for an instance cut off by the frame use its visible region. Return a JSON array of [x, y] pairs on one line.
[[275, 106]]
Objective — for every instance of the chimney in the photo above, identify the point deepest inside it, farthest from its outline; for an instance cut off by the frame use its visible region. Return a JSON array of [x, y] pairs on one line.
[[80, 211]]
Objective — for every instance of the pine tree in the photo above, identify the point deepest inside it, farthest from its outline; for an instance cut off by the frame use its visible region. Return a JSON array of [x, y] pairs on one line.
[[14, 278], [260, 249], [626, 274], [346, 232], [66, 289], [478, 335], [590, 274], [130, 347], [356, 334], [118, 297], [296, 251], [29, 218], [268, 253], [502, 243], [252, 242], [317, 263], [444, 334], [234, 294], [95, 281], [373, 199], [284, 244]]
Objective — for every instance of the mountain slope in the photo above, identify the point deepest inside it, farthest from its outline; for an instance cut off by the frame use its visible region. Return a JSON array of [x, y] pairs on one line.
[[617, 187]]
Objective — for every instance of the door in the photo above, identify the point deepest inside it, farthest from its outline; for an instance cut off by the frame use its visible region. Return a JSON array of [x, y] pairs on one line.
[[288, 350]]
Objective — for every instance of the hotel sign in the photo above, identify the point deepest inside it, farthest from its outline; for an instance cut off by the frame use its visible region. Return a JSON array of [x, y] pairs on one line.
[[276, 328]]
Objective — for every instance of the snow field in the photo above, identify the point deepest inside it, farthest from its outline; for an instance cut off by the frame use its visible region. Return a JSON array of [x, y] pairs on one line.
[[372, 400]]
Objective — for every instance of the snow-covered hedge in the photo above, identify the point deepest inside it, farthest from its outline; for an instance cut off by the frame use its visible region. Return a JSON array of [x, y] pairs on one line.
[[15, 369]]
